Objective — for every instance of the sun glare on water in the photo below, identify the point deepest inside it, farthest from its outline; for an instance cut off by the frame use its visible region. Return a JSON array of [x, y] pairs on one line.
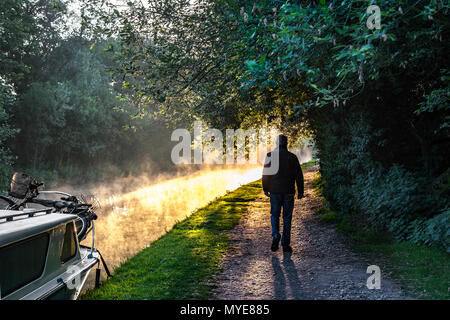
[[129, 222]]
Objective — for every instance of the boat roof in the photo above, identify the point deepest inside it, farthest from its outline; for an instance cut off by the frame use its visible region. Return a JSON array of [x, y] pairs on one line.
[[16, 225]]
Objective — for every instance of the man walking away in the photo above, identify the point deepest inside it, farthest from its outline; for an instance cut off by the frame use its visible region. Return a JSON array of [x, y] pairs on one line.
[[279, 185]]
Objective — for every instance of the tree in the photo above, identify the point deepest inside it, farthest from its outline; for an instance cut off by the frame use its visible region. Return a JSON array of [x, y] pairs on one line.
[[379, 117], [6, 132]]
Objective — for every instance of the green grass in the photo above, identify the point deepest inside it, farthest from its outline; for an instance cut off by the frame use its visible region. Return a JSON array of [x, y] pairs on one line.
[[421, 271], [308, 164], [180, 263], [328, 216]]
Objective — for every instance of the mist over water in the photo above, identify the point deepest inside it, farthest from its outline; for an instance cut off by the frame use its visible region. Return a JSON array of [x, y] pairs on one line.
[[128, 222], [304, 154], [136, 211]]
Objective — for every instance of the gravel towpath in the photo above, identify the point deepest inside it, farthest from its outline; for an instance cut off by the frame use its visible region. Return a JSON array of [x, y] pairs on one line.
[[321, 266]]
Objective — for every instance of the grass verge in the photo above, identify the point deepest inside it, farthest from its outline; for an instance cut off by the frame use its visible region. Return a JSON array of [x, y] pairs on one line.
[[308, 164], [180, 263], [422, 272]]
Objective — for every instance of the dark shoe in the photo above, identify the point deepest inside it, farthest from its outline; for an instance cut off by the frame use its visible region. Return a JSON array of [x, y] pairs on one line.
[[275, 243], [287, 249]]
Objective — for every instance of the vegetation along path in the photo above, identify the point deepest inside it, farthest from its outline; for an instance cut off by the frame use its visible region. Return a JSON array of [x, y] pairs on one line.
[[222, 251], [321, 266]]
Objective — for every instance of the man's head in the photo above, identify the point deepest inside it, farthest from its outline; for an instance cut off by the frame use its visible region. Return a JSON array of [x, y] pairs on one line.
[[282, 141]]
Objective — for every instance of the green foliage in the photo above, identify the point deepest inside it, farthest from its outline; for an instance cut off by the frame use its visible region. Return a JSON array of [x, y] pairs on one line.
[[72, 111], [369, 101], [331, 48], [433, 232], [396, 200], [422, 271], [438, 101], [169, 57], [345, 226], [308, 164], [16, 30], [318, 185], [74, 127], [375, 101], [328, 216], [29, 28], [6, 132]]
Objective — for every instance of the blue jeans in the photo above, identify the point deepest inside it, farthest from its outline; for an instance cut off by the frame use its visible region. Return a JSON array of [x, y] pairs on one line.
[[276, 202]]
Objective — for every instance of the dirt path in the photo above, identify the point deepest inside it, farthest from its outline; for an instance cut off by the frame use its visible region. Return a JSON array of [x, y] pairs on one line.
[[321, 266]]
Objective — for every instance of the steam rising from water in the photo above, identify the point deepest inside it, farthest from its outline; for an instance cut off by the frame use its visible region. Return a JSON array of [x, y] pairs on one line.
[[129, 222]]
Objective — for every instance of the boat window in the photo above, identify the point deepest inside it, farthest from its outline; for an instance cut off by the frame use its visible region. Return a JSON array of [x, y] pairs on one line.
[[22, 262], [70, 245]]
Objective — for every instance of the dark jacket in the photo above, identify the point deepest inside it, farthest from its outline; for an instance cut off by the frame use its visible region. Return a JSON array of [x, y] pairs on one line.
[[288, 174]]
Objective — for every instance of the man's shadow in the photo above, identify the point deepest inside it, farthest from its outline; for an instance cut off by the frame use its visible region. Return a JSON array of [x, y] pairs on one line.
[[290, 272]]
